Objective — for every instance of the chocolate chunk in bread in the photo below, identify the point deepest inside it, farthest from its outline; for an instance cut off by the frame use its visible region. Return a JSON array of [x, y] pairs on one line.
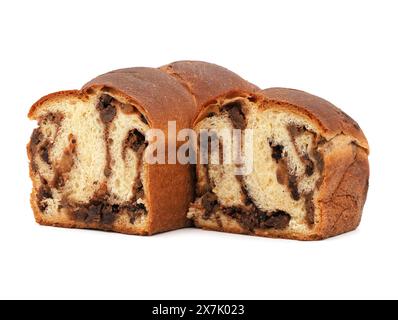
[[136, 211], [106, 110], [209, 203], [277, 151], [135, 140], [236, 115], [278, 220], [255, 219]]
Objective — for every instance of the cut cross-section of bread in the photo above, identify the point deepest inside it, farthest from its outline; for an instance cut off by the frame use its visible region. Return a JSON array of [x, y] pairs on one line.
[[305, 176], [309, 163], [87, 154]]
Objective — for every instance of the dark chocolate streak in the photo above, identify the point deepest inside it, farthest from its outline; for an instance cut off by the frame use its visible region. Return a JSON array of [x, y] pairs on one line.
[[209, 203], [106, 109], [291, 181], [107, 112], [41, 145], [310, 208], [143, 119], [236, 115], [277, 151], [293, 186], [35, 139], [100, 211], [258, 219], [238, 120], [43, 194], [294, 132], [135, 140], [210, 184], [64, 166], [282, 173], [135, 211], [249, 216], [44, 152], [97, 211]]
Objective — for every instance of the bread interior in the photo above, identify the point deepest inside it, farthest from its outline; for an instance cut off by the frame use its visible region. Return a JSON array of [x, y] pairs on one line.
[[87, 162], [278, 194]]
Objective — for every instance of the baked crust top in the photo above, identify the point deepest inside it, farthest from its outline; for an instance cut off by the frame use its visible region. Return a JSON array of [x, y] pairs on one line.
[[331, 120]]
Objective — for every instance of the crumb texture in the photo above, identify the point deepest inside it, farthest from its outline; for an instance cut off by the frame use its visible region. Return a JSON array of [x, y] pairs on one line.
[[86, 164]]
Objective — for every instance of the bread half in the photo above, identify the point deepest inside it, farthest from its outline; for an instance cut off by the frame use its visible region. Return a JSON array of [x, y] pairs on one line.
[[87, 155], [309, 171]]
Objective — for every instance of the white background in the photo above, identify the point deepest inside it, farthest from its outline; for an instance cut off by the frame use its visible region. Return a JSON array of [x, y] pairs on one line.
[[344, 51]]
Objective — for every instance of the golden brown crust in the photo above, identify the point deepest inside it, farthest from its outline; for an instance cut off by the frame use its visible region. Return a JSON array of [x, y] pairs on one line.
[[331, 120], [343, 191], [265, 234], [171, 190], [208, 82], [158, 96]]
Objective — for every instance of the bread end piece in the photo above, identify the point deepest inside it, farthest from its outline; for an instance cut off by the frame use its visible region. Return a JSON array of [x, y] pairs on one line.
[[311, 170]]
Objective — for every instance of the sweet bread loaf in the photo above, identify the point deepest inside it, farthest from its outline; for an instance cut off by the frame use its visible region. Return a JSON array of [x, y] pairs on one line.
[[86, 156], [309, 174], [305, 176]]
